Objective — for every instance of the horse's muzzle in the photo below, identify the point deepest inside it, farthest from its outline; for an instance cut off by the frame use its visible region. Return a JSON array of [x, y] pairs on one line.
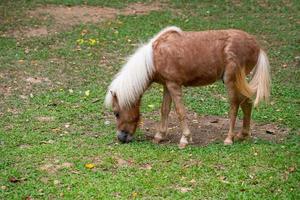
[[124, 137]]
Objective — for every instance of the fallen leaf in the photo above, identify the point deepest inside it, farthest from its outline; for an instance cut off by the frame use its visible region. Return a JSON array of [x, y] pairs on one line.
[[87, 93], [292, 169], [24, 146], [50, 168], [219, 166], [141, 122], [23, 97], [96, 100], [121, 162], [117, 195], [15, 180], [193, 181], [56, 130], [134, 194], [270, 132], [52, 104], [56, 182], [3, 187], [84, 32], [45, 119], [27, 50], [66, 165], [147, 166], [214, 121], [223, 179], [44, 180], [21, 61], [75, 172], [27, 198], [47, 142], [151, 106], [184, 190], [89, 165]]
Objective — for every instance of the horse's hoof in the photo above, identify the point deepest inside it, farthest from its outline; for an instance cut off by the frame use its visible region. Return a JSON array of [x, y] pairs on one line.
[[182, 145], [184, 142], [242, 136], [228, 142], [157, 139]]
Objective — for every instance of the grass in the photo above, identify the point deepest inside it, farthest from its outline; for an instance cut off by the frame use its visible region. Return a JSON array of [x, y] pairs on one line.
[[74, 128]]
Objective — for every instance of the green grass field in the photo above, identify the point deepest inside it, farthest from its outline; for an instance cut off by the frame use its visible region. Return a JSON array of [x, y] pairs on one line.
[[53, 123]]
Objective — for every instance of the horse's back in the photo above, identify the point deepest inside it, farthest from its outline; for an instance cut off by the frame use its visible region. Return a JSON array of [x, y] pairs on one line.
[[199, 58], [242, 48]]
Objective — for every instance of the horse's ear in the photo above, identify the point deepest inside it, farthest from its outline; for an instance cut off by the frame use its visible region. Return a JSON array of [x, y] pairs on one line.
[[114, 99]]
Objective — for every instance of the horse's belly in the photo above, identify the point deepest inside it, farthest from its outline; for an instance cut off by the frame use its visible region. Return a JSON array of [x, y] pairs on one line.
[[201, 80], [203, 75]]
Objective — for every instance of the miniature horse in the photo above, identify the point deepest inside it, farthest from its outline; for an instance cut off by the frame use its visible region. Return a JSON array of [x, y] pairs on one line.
[[175, 58]]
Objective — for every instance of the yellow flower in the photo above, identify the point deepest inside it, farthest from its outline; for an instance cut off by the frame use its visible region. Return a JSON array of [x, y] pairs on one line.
[[92, 42], [134, 195], [89, 165], [80, 41]]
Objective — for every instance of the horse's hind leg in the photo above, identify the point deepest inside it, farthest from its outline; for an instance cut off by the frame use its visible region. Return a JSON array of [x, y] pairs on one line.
[[234, 99], [246, 106], [165, 110], [176, 94], [234, 106]]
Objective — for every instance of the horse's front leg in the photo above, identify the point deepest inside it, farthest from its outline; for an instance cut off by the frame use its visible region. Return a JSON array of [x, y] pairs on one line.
[[176, 94], [165, 110]]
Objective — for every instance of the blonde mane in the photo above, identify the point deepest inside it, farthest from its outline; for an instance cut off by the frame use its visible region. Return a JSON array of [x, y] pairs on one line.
[[134, 77]]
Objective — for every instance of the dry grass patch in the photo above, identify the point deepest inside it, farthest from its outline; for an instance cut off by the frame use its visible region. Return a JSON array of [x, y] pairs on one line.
[[64, 17]]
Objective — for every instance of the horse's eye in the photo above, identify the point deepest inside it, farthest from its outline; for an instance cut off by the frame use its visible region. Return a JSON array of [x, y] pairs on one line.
[[117, 114]]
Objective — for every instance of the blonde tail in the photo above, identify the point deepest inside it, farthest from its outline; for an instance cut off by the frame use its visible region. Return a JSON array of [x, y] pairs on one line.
[[261, 80], [260, 83]]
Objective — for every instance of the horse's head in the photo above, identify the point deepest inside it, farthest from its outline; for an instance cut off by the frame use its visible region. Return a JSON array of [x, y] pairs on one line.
[[127, 119]]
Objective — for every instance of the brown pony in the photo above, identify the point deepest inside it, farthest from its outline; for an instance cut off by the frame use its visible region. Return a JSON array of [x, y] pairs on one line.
[[175, 58]]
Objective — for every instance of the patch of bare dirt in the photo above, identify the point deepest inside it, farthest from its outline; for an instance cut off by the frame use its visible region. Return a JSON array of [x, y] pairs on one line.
[[5, 90], [54, 166], [236, 2], [45, 119], [36, 80], [209, 129], [64, 17]]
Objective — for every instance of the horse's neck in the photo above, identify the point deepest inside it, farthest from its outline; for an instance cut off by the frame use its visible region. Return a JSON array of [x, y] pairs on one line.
[[138, 101]]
